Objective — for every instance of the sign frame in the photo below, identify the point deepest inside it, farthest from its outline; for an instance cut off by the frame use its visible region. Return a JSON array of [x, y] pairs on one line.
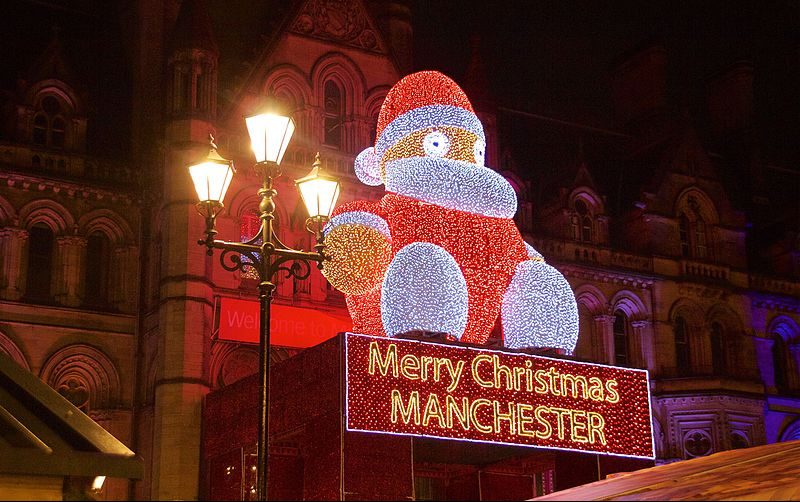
[[347, 410]]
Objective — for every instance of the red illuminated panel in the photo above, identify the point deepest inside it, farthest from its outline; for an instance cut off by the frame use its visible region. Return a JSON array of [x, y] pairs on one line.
[[289, 326], [472, 394]]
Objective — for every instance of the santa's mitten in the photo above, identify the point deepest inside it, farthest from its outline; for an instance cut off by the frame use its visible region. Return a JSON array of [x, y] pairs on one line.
[[358, 245]]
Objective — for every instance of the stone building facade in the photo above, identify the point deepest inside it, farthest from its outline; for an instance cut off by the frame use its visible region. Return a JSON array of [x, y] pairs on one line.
[[105, 294]]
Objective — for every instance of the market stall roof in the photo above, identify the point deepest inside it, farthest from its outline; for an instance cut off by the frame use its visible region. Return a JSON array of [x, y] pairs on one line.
[[41, 433], [769, 472]]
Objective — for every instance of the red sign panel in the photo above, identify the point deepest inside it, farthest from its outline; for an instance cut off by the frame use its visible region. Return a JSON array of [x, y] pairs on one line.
[[472, 394], [289, 326]]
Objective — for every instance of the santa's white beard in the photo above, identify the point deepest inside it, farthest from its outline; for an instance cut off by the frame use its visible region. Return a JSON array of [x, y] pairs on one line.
[[452, 184]]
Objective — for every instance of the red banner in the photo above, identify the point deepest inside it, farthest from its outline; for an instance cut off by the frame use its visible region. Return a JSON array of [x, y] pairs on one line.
[[471, 394], [289, 326]]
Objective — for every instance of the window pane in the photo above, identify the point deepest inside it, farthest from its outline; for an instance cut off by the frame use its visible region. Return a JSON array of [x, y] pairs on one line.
[[40, 259], [700, 238], [681, 346], [39, 130], [683, 230], [586, 229], [57, 133], [51, 106], [718, 349], [779, 361], [333, 115], [98, 261], [620, 339]]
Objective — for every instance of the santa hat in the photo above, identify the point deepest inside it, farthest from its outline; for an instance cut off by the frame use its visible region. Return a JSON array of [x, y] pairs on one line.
[[418, 101]]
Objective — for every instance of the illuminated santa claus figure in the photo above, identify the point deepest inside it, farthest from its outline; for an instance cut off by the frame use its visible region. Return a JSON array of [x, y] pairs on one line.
[[440, 251]]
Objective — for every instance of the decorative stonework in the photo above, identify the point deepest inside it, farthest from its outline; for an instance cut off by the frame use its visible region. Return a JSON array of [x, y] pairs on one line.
[[697, 443], [597, 275], [72, 190], [702, 291], [8, 347], [776, 303], [84, 375], [342, 21], [231, 362], [696, 423], [238, 364]]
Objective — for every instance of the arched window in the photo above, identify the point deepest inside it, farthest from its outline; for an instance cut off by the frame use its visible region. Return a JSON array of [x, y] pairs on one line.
[[718, 349], [779, 362], [575, 225], [98, 265], [250, 225], [49, 126], [40, 261], [584, 221], [681, 334], [333, 115], [621, 355], [693, 231]]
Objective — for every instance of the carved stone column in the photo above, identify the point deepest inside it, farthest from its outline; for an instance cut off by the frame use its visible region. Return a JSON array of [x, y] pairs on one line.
[[124, 272], [69, 281], [603, 341], [642, 344], [12, 244]]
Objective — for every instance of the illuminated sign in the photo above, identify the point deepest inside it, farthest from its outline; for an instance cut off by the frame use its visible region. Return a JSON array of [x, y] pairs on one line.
[[289, 326], [474, 394]]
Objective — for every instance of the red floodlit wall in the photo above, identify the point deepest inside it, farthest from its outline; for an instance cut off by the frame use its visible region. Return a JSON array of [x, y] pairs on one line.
[[311, 457]]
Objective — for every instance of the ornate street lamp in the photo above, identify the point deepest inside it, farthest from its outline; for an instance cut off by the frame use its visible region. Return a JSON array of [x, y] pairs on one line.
[[264, 252]]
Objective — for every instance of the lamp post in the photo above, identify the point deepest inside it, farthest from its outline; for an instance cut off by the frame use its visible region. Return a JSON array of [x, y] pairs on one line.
[[264, 252]]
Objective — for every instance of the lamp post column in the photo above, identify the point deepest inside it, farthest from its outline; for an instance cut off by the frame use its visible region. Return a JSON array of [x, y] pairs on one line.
[[265, 290], [211, 178]]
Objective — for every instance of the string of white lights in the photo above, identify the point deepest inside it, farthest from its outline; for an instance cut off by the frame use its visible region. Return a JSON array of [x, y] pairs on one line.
[[414, 298]]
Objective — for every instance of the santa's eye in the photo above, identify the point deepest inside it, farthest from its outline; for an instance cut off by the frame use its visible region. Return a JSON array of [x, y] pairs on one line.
[[480, 152], [436, 144]]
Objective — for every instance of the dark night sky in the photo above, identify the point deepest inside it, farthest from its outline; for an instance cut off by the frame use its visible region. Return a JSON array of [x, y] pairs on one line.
[[553, 57], [549, 57]]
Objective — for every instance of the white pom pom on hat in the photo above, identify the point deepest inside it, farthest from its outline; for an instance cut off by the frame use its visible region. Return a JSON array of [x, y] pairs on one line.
[[367, 167]]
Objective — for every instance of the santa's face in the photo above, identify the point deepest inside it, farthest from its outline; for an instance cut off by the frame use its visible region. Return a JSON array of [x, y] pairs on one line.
[[444, 166]]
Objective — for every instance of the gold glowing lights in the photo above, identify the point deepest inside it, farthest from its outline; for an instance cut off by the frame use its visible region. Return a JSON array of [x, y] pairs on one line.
[[358, 259]]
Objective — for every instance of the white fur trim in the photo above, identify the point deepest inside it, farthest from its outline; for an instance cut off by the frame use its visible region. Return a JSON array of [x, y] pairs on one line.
[[359, 218], [367, 168], [452, 184]]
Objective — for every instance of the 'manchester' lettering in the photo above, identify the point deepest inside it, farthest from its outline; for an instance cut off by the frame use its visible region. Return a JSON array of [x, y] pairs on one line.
[[494, 417]]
